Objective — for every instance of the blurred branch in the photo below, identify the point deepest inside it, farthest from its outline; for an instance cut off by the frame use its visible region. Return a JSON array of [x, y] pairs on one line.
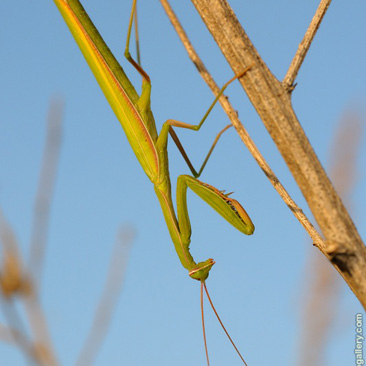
[[344, 154], [16, 330], [19, 283], [37, 321], [8, 334], [41, 338], [45, 190], [319, 310], [12, 280], [321, 307], [343, 245], [243, 133], [108, 298], [11, 284], [16, 284]]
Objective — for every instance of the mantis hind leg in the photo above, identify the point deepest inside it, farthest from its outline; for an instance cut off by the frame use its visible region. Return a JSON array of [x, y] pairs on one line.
[[174, 123], [143, 103], [137, 38], [185, 156], [136, 65]]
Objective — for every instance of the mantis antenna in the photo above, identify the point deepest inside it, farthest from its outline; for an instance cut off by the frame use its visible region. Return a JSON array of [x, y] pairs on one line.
[[203, 286]]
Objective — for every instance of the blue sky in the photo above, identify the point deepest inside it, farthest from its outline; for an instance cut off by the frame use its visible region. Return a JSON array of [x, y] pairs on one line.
[[258, 283]]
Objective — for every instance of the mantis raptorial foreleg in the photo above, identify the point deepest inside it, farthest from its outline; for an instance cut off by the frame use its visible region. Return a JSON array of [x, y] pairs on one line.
[[134, 113]]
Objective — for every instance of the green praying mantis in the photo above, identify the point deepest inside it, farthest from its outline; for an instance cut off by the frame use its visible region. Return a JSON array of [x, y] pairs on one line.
[[134, 113]]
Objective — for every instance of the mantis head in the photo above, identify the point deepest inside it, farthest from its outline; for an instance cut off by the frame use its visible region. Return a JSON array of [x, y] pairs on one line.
[[201, 270]]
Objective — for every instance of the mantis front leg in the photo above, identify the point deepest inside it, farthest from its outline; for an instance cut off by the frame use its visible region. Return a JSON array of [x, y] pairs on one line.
[[180, 228]]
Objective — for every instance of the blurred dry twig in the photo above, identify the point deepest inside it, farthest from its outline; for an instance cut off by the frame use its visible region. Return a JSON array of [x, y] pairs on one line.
[[18, 282], [45, 189], [109, 297], [324, 286]]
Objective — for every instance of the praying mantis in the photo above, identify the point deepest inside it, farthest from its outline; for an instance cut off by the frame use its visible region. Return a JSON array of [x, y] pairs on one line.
[[135, 115]]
